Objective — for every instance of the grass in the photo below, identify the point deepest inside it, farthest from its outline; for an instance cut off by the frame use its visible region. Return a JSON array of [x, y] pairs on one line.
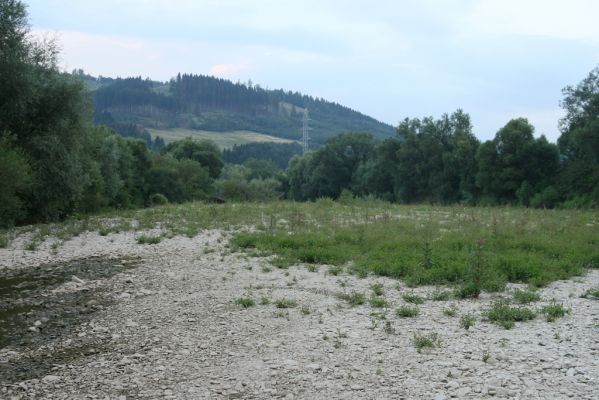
[[430, 341], [377, 289], [245, 302], [450, 311], [441, 295], [554, 311], [285, 303], [378, 302], [388, 240], [503, 314], [525, 296], [149, 239], [353, 298], [407, 311], [467, 321], [412, 298], [592, 293]]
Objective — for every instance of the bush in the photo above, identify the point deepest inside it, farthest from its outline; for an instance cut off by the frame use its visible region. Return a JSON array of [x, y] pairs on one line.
[[157, 199], [407, 311], [548, 198], [503, 314]]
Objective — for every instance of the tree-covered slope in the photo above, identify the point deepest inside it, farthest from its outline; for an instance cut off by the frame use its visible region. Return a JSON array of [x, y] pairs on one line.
[[213, 104]]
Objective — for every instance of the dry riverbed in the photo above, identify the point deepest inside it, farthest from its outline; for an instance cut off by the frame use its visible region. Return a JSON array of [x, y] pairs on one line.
[[103, 317]]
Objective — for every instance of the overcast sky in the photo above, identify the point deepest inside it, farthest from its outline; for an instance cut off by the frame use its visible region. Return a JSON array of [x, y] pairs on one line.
[[496, 59]]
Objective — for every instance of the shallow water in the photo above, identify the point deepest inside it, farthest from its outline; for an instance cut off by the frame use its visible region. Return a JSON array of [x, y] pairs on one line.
[[26, 297]]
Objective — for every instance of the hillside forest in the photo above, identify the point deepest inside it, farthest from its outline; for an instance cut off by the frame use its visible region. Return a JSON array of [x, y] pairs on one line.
[[60, 158]]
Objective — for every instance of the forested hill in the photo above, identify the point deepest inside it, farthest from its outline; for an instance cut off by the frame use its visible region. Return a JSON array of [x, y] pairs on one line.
[[213, 104]]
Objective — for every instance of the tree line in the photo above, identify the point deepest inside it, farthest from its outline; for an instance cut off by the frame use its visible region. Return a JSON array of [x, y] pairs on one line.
[[441, 161]]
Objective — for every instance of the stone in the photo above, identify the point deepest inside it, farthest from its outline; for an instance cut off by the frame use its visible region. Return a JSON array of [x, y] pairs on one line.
[[78, 280]]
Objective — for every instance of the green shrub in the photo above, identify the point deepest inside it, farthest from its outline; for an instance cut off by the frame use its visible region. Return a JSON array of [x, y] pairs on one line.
[[353, 298], [467, 321], [285, 303], [377, 302], [148, 239], [157, 199], [429, 341], [554, 311], [412, 298], [525, 296], [407, 311], [245, 302], [503, 314]]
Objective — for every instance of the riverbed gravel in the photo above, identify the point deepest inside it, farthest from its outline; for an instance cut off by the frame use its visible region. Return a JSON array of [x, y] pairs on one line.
[[176, 328]]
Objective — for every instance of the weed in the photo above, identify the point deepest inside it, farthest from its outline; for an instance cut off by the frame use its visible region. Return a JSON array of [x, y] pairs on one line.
[[285, 303], [148, 239], [264, 301], [504, 315], [554, 311], [32, 245], [245, 302], [4, 240], [312, 268], [429, 341], [486, 356], [407, 311], [388, 328], [282, 314], [306, 310], [335, 270], [525, 296], [412, 298], [467, 321], [377, 289], [377, 302], [593, 293], [450, 311], [353, 298], [266, 268], [440, 295]]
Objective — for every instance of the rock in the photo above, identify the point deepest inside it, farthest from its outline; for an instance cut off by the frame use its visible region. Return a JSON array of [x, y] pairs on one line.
[[33, 329], [357, 387], [235, 395], [78, 280], [570, 372], [37, 324], [440, 396], [313, 367], [462, 392], [50, 378]]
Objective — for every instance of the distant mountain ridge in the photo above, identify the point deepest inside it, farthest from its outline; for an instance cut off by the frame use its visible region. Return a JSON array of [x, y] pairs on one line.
[[213, 104]]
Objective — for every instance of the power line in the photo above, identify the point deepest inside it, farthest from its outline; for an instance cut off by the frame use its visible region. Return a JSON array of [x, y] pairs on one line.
[[305, 132]]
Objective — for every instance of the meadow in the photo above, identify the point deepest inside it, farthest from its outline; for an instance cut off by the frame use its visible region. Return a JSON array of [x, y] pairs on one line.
[[223, 140], [473, 249]]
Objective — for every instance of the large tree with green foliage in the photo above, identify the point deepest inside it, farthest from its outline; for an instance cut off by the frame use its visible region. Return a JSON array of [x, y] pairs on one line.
[[43, 114], [579, 142], [515, 166], [436, 159]]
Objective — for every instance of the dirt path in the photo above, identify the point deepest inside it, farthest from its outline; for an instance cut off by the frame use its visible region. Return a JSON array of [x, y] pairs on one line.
[[170, 328]]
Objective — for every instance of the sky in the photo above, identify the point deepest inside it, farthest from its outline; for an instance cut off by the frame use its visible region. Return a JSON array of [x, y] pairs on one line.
[[390, 59]]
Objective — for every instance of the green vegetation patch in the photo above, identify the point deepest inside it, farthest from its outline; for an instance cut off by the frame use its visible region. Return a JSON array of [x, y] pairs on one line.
[[473, 249], [503, 314]]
